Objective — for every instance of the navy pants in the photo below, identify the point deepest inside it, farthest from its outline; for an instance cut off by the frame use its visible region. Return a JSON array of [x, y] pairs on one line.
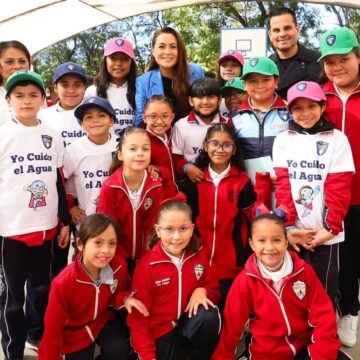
[[22, 265], [197, 336]]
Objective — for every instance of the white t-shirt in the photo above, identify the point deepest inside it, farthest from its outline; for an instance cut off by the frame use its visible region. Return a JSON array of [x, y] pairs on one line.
[[88, 165], [223, 110], [125, 114], [29, 158]]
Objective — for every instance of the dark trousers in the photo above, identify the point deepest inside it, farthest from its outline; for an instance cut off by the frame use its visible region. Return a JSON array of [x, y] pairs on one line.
[[199, 334], [21, 264], [59, 257], [304, 355], [112, 342], [325, 261], [225, 285], [349, 274]]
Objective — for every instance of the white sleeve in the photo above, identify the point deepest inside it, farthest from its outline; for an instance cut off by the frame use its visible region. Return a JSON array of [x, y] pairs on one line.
[[177, 141], [69, 166], [278, 151], [342, 159]]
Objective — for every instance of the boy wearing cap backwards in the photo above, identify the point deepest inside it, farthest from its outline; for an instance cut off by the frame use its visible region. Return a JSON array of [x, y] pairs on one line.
[[32, 198], [116, 81], [314, 168], [234, 95], [87, 160], [70, 83], [340, 58]]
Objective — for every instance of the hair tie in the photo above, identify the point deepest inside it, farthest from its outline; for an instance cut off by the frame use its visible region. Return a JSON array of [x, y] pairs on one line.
[[180, 196], [280, 211]]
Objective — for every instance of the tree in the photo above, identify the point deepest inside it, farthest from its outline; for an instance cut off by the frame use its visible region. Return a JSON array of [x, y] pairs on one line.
[[346, 17]]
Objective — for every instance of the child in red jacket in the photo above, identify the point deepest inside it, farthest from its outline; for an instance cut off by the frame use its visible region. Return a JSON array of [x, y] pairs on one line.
[[174, 282], [78, 314], [293, 316]]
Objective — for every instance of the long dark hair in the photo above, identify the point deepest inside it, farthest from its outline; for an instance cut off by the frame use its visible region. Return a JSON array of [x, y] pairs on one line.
[[174, 205], [203, 159], [180, 84], [103, 79]]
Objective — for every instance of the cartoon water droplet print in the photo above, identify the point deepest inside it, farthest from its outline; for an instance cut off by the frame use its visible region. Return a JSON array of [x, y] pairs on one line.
[[38, 193], [306, 197]]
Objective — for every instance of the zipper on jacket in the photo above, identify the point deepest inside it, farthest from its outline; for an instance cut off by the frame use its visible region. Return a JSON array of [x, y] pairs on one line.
[[180, 291], [214, 226], [96, 301]]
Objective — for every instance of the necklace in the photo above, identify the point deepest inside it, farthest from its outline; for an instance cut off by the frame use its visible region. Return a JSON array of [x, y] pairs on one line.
[[275, 267]]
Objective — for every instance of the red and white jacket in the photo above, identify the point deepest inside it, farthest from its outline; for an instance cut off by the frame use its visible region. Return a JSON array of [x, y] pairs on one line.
[[300, 315], [136, 224], [346, 117], [165, 290], [78, 309]]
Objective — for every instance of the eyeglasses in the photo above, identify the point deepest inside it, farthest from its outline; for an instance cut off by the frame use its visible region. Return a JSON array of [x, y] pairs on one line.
[[215, 145], [155, 116], [170, 230]]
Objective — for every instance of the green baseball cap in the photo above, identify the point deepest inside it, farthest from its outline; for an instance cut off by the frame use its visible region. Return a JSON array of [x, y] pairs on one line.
[[24, 75], [260, 65], [337, 41], [235, 83]]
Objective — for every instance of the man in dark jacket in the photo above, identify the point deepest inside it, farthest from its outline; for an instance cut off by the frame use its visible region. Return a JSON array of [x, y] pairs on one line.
[[295, 62]]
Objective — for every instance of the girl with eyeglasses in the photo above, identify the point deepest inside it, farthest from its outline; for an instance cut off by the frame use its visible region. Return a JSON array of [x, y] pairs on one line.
[[223, 204], [175, 283]]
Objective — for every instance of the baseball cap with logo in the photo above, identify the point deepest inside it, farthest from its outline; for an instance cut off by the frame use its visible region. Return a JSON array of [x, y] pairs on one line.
[[93, 102], [24, 75], [69, 68], [305, 89], [235, 83], [337, 41], [119, 44], [260, 65], [231, 54]]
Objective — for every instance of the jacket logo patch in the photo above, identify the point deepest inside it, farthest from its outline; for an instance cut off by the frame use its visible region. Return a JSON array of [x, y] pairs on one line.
[[321, 147], [47, 141], [162, 282], [148, 203], [283, 114], [113, 286], [330, 40], [199, 270], [299, 288]]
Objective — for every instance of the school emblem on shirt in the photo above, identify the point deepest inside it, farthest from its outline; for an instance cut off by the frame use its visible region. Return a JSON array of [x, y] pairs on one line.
[[47, 141], [301, 86], [70, 67], [283, 114], [254, 62], [330, 40], [299, 288], [321, 147], [113, 286], [148, 203], [199, 270], [119, 42]]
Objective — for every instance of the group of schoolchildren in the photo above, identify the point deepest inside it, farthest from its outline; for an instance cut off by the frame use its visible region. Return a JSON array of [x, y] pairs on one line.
[[165, 215]]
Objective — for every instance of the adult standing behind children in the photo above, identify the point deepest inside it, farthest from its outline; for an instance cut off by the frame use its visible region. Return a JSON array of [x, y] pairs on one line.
[[295, 62], [169, 73], [116, 81]]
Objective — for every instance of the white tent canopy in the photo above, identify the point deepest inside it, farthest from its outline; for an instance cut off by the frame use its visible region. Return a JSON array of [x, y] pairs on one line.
[[40, 23]]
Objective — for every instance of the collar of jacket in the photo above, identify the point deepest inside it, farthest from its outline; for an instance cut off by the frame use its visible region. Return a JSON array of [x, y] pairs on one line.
[[278, 103], [321, 126]]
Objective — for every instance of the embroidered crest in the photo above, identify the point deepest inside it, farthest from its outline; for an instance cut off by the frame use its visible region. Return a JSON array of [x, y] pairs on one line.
[[119, 42], [47, 141], [22, 71], [283, 114], [254, 62], [91, 100], [71, 67], [113, 286], [330, 40], [299, 288], [199, 270], [230, 81], [231, 52], [148, 203], [301, 86], [321, 147]]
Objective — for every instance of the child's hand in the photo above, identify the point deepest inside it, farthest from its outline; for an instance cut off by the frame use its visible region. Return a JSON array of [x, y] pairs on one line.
[[64, 237], [77, 215], [198, 297], [131, 302], [320, 238], [154, 172], [300, 237], [194, 173]]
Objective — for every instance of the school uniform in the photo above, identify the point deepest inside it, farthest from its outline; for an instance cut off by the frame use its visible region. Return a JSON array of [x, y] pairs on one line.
[[314, 174], [151, 83], [125, 114], [79, 308], [165, 289], [31, 186], [136, 222], [294, 314]]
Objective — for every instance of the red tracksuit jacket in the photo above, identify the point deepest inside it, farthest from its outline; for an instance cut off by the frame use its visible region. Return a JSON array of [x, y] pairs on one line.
[[301, 315], [78, 309], [165, 290], [136, 224]]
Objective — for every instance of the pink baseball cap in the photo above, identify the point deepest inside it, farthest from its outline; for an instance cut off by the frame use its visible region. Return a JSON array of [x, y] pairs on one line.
[[231, 54], [305, 89], [119, 44]]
